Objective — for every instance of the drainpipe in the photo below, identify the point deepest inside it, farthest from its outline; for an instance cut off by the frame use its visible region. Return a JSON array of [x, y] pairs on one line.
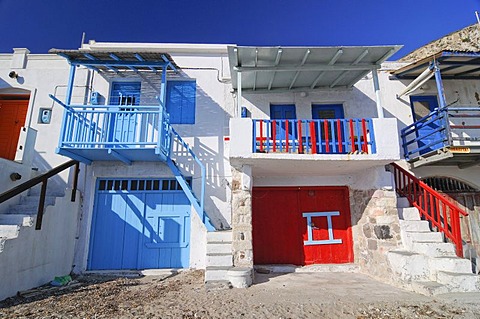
[[239, 94], [376, 87]]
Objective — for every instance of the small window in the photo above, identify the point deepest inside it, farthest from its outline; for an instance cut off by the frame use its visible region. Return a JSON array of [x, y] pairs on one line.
[[327, 111], [181, 101]]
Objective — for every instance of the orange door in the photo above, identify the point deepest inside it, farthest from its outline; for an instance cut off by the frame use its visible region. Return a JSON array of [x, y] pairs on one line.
[[12, 118]]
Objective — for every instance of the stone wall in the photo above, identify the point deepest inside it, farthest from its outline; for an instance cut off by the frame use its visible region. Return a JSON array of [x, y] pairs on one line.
[[242, 218], [376, 230]]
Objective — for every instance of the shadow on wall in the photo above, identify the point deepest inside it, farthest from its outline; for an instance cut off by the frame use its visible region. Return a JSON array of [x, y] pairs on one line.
[[211, 124]]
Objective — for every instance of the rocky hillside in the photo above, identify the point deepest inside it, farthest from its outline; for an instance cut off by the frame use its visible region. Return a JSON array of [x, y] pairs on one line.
[[466, 39]]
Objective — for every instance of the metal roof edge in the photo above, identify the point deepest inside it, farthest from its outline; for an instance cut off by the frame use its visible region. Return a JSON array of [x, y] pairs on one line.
[[156, 47]]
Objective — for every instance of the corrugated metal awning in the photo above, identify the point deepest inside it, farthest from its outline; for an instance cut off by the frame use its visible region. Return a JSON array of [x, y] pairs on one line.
[[453, 65], [304, 68], [118, 61]]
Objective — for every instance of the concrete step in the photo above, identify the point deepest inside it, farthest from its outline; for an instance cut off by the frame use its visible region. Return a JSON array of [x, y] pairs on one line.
[[213, 273], [33, 200], [9, 231], [428, 288], [220, 260], [408, 213], [426, 236], [409, 266], [219, 247], [414, 225], [30, 209], [52, 190], [457, 282], [219, 236], [450, 264], [2, 243], [17, 219], [402, 202], [434, 249]]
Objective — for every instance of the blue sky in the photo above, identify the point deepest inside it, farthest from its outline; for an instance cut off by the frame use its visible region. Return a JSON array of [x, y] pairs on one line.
[[41, 25]]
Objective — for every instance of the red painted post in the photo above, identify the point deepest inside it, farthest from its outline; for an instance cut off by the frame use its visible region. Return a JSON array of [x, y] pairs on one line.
[[327, 142], [314, 137], [352, 136], [300, 137], [364, 137], [286, 135], [261, 135], [274, 135], [340, 141], [456, 233]]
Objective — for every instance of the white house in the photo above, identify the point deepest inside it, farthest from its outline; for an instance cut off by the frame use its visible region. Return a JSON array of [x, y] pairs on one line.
[[220, 157]]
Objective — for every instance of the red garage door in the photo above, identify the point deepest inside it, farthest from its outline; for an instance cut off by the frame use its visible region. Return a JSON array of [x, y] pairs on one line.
[[301, 225]]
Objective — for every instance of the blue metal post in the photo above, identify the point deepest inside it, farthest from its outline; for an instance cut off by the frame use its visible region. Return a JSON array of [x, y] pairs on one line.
[[438, 80], [68, 98], [163, 107]]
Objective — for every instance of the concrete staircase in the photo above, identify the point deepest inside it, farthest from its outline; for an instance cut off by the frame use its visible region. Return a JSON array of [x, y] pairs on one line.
[[219, 255], [427, 264], [22, 214]]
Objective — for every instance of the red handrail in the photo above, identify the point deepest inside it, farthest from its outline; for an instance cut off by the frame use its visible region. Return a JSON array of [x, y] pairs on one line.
[[433, 206]]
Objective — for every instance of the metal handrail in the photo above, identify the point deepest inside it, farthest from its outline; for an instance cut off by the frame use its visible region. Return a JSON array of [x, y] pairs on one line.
[[202, 167], [433, 206], [17, 190]]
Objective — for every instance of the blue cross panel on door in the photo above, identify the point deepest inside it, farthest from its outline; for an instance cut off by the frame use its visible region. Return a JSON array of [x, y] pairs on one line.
[[140, 224]]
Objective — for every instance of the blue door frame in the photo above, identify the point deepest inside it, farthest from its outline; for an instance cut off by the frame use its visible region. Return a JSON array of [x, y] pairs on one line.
[[123, 126], [283, 112], [423, 105], [328, 111]]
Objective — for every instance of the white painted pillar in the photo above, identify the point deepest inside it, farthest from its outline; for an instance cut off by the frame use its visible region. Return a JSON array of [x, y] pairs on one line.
[[246, 182], [239, 94], [376, 87]]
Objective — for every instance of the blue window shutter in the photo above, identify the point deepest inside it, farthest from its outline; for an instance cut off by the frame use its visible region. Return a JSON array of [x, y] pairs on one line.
[[181, 96]]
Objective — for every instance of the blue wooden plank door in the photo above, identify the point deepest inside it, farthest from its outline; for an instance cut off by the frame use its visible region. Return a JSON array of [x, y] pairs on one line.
[[283, 112], [167, 231], [430, 138], [335, 136], [124, 125], [140, 228]]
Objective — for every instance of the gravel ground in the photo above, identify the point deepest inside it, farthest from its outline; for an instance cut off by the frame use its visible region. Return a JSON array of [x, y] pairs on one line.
[[274, 296]]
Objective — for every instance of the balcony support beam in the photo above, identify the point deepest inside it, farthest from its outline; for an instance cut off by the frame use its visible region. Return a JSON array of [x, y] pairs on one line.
[[439, 82], [119, 157], [239, 95]]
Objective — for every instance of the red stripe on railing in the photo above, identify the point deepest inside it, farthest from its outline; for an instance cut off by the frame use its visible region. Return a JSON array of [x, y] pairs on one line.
[[327, 142], [313, 136], [431, 205], [339, 138], [300, 137], [286, 136], [364, 137], [274, 135], [261, 136], [352, 136]]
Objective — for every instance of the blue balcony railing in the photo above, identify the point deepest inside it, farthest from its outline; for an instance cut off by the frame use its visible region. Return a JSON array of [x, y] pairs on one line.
[[447, 127], [125, 129], [326, 136]]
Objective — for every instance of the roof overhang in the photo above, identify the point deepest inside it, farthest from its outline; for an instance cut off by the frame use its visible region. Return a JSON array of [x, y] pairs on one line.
[[119, 61], [303, 68], [453, 65]]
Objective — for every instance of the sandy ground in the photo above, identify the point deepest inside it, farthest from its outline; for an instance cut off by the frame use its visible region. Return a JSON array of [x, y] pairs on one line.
[[296, 295]]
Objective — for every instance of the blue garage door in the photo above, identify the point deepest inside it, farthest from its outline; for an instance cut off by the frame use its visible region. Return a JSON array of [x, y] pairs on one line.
[[139, 224]]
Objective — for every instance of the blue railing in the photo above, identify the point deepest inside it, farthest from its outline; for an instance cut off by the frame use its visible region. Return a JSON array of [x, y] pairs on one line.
[[447, 127], [328, 136], [114, 127]]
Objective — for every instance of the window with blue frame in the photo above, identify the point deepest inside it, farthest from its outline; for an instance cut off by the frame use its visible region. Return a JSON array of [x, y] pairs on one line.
[[181, 100]]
